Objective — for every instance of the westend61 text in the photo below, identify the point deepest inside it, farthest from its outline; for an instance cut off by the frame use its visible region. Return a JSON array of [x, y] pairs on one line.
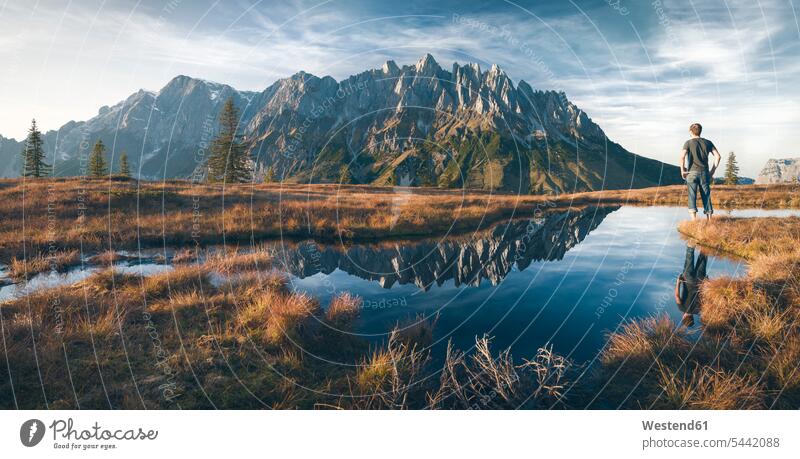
[[669, 425]]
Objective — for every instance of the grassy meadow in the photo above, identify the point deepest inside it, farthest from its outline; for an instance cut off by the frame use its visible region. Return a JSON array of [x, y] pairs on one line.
[[93, 215], [224, 331], [182, 340]]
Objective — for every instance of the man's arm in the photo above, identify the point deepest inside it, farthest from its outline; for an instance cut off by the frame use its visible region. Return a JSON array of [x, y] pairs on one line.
[[684, 173], [717, 159]]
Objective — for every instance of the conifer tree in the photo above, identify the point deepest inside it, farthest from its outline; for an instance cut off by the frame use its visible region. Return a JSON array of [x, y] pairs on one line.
[[269, 175], [345, 177], [124, 167], [228, 160], [97, 160], [33, 164], [732, 170]]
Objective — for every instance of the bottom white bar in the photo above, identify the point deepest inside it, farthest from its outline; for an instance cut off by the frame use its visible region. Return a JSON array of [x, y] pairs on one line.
[[383, 434]]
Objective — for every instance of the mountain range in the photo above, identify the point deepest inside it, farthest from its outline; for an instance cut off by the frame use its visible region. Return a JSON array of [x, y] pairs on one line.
[[785, 170], [415, 125]]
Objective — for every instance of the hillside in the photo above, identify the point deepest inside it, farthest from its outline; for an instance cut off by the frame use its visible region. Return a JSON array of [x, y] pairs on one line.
[[415, 125]]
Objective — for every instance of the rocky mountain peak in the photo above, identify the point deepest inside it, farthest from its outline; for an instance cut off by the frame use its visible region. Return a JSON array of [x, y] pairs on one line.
[[496, 70], [427, 65], [177, 85], [302, 76], [784, 170], [390, 68], [480, 130]]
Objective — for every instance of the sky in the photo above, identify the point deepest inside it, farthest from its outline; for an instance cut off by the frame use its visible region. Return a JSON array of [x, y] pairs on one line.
[[642, 69]]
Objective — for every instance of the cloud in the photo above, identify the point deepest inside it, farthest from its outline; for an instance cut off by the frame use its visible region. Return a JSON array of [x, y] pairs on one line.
[[643, 77]]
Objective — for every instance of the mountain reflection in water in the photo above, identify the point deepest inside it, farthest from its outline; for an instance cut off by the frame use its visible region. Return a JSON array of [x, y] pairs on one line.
[[467, 260]]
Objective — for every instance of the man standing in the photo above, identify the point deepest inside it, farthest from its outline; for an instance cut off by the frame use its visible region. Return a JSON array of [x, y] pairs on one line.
[[696, 173]]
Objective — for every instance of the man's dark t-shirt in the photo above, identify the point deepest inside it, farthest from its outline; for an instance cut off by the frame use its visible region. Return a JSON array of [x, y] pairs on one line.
[[699, 149]]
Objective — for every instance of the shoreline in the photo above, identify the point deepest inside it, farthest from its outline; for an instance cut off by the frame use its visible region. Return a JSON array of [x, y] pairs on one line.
[[94, 214], [744, 357]]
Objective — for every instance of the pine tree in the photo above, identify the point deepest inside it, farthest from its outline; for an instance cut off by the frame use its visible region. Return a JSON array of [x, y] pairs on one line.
[[33, 164], [97, 160], [345, 176], [228, 160], [124, 168], [731, 170], [269, 175]]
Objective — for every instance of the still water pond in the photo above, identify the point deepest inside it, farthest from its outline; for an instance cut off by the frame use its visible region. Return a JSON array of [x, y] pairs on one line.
[[566, 280]]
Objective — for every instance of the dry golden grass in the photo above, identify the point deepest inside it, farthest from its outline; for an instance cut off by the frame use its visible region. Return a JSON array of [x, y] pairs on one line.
[[106, 258], [725, 301], [101, 326], [123, 326], [179, 280], [767, 326], [22, 268], [784, 367], [748, 352], [778, 267], [642, 342], [109, 280], [705, 388], [749, 238], [486, 380], [229, 261], [376, 372], [276, 316], [74, 312], [121, 214], [245, 342], [343, 310], [392, 377], [766, 300], [753, 323], [192, 299]]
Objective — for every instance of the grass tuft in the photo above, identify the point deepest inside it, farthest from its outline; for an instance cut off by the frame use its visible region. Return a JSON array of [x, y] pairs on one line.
[[277, 317], [640, 342], [20, 269], [343, 310], [706, 388]]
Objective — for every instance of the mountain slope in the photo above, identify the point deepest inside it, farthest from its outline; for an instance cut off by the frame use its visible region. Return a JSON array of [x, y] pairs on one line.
[[423, 125], [784, 170], [411, 125], [164, 133], [10, 157]]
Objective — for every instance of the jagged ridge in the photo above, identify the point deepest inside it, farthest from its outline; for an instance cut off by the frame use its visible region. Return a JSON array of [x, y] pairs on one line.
[[412, 125], [780, 171]]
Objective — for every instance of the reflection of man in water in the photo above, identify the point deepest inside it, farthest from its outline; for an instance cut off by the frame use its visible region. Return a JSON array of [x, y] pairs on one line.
[[687, 287]]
